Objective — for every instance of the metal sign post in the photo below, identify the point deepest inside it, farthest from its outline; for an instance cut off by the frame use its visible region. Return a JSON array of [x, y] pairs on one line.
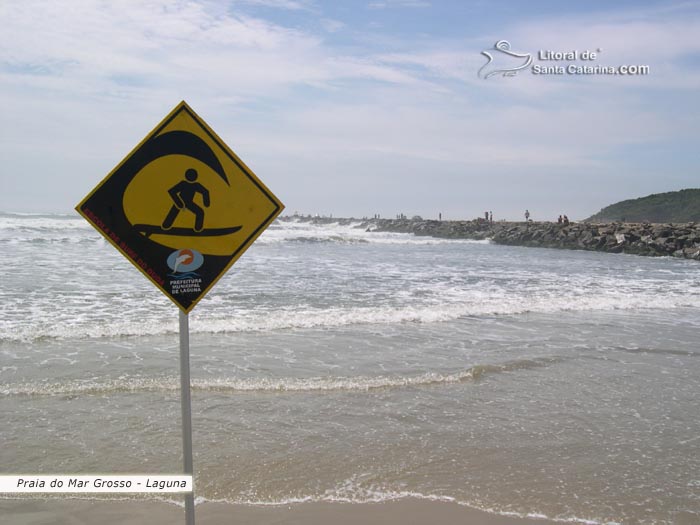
[[186, 405]]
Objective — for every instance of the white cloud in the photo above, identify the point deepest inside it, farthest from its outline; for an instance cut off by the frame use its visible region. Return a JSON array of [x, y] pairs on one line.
[[84, 81], [160, 44]]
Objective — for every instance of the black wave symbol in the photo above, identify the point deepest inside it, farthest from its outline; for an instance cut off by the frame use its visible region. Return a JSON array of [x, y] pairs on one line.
[[182, 143]]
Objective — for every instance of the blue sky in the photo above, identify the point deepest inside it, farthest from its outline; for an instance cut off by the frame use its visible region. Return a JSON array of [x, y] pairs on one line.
[[358, 107]]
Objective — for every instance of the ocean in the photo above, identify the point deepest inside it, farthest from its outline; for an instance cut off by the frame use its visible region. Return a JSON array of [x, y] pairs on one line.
[[338, 365]]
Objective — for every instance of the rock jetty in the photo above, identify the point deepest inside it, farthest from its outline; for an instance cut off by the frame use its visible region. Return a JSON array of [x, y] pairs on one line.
[[677, 240], [475, 230]]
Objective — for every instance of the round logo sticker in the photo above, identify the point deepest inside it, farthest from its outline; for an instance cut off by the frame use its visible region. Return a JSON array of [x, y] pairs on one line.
[[185, 260]]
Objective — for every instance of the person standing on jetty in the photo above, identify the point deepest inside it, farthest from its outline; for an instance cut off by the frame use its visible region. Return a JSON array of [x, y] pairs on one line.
[[527, 215]]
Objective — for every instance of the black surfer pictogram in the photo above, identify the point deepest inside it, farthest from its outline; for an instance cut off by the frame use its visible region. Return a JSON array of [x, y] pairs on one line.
[[183, 194]]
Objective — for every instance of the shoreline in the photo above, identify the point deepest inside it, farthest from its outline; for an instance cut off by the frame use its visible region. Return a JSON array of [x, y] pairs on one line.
[[647, 239], [135, 512]]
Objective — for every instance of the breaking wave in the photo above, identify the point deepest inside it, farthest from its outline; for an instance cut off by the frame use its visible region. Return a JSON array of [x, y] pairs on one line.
[[287, 318], [268, 385]]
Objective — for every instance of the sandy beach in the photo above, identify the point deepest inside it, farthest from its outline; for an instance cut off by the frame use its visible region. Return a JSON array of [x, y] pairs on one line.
[[405, 512]]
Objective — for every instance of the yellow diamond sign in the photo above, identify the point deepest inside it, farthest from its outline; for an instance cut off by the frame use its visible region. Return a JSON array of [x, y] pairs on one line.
[[182, 207]]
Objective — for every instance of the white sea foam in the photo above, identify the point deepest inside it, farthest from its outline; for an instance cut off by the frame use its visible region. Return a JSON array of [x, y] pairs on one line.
[[45, 223], [353, 491], [359, 496], [262, 385], [58, 288], [290, 318], [346, 233], [268, 385]]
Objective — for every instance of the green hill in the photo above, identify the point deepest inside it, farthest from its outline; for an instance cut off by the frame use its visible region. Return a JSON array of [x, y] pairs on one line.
[[674, 206]]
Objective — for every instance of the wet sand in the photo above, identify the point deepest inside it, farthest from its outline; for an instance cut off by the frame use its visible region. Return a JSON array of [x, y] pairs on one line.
[[405, 512]]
